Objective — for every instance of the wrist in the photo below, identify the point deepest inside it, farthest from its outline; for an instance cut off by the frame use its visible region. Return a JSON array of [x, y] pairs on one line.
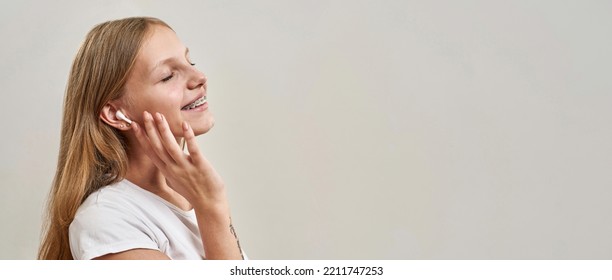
[[212, 199], [212, 210]]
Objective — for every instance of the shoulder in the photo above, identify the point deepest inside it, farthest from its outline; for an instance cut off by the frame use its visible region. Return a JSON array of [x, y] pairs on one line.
[[122, 193], [110, 218], [117, 203], [123, 197]]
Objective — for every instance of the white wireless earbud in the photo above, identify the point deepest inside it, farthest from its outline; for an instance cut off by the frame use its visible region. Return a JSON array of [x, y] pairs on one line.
[[121, 116]]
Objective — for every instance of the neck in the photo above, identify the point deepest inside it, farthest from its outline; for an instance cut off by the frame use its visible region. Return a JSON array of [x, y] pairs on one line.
[[143, 173]]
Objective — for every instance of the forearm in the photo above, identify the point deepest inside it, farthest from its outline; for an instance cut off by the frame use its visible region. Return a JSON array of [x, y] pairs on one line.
[[218, 236], [194, 178]]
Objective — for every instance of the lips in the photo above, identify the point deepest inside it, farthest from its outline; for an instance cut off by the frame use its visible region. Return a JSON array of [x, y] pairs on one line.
[[195, 104]]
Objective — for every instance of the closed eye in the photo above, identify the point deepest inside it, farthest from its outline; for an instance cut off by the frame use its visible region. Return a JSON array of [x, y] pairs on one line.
[[167, 78]]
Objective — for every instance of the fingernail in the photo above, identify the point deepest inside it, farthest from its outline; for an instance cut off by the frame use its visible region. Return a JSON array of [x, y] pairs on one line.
[[158, 116], [185, 126], [147, 116]]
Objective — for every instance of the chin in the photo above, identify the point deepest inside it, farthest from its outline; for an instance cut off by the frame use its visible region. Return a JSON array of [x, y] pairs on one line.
[[203, 127]]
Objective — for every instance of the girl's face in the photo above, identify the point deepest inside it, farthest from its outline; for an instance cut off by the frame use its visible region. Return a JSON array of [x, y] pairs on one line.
[[164, 80]]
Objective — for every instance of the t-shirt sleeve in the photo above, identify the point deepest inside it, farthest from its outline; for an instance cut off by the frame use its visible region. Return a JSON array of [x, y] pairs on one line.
[[101, 229]]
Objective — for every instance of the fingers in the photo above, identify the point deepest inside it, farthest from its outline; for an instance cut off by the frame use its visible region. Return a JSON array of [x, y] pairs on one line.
[[168, 140], [160, 143], [143, 140], [192, 145], [155, 139]]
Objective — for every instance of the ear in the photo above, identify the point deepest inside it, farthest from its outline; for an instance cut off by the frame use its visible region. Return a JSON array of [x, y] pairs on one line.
[[108, 115]]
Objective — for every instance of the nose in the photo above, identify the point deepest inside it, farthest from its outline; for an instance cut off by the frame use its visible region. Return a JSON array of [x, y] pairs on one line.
[[197, 79]]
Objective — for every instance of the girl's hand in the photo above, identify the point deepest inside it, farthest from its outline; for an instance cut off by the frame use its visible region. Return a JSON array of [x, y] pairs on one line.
[[191, 175]]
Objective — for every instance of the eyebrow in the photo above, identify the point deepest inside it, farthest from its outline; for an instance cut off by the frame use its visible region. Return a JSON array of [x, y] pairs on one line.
[[166, 60]]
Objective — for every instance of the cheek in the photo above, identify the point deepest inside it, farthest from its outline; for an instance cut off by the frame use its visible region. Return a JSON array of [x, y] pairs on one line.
[[173, 100], [170, 106], [167, 100]]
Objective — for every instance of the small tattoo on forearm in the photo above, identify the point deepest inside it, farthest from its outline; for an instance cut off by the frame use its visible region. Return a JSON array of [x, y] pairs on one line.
[[236, 236]]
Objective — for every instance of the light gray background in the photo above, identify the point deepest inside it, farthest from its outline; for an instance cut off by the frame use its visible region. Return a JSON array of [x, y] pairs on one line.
[[358, 129]]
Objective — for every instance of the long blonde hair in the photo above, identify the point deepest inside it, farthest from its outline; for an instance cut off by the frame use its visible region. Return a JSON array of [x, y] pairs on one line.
[[92, 154]]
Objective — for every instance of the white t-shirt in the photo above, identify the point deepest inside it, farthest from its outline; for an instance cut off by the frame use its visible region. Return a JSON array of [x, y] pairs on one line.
[[123, 216]]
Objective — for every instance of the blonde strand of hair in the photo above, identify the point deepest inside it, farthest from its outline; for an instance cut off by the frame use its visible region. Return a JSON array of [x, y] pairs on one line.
[[92, 154]]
